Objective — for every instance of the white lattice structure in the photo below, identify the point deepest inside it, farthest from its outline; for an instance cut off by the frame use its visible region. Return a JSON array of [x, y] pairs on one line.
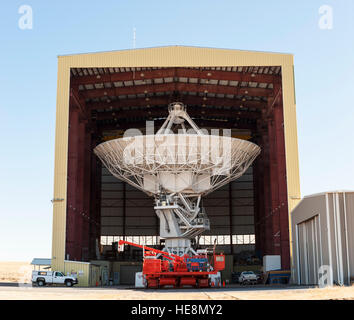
[[177, 169]]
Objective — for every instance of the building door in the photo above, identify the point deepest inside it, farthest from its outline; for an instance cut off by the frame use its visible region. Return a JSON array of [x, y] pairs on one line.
[[309, 250], [127, 274]]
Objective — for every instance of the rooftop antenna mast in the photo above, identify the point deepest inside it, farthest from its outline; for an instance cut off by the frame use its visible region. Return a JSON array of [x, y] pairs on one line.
[[134, 38]]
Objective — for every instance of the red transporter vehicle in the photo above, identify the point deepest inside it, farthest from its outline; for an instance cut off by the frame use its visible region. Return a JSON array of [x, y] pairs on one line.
[[161, 268]]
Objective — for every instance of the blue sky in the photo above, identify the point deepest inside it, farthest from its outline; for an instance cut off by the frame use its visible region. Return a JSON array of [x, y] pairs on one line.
[[324, 65]]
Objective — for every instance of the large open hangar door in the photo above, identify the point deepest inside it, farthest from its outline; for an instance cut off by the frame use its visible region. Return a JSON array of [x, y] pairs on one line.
[[127, 213], [104, 102]]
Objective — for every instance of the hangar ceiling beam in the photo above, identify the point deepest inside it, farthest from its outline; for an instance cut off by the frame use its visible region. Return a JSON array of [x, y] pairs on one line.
[[193, 111], [174, 72], [177, 86], [186, 99], [222, 124]]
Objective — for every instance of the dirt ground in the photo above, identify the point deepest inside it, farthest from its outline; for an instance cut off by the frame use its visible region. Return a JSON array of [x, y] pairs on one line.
[[17, 271], [15, 275]]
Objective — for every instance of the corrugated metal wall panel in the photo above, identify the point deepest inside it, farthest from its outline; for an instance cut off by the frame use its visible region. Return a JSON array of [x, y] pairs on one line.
[[81, 269], [111, 211], [309, 251], [237, 229], [302, 254], [111, 230], [349, 210], [324, 237]]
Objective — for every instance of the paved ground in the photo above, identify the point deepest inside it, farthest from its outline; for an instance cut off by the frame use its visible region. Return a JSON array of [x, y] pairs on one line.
[[10, 292], [11, 273]]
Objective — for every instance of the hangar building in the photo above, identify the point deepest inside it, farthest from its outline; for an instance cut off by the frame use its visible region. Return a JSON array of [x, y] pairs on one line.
[[101, 95]]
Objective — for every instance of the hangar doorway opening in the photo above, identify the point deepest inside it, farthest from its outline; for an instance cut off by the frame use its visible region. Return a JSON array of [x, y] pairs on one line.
[[248, 217]]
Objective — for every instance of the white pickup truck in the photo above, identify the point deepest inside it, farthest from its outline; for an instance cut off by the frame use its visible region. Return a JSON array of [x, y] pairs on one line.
[[42, 278], [248, 277]]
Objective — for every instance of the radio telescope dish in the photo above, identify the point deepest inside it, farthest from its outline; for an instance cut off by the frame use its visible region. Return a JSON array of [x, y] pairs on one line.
[[177, 169], [190, 162]]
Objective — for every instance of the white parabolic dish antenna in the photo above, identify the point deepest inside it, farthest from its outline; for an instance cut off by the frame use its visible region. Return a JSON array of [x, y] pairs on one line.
[[178, 167], [190, 162]]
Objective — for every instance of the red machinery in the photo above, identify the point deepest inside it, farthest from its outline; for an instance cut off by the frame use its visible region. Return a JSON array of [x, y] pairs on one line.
[[176, 271]]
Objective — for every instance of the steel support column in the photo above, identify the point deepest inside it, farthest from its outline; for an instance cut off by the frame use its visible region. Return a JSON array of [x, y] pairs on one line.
[[273, 161], [95, 187], [230, 218], [282, 212], [258, 204], [72, 179], [124, 211], [87, 195], [278, 182], [268, 247], [80, 190]]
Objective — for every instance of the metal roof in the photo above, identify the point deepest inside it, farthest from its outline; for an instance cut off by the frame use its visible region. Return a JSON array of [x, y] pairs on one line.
[[173, 46], [41, 262]]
